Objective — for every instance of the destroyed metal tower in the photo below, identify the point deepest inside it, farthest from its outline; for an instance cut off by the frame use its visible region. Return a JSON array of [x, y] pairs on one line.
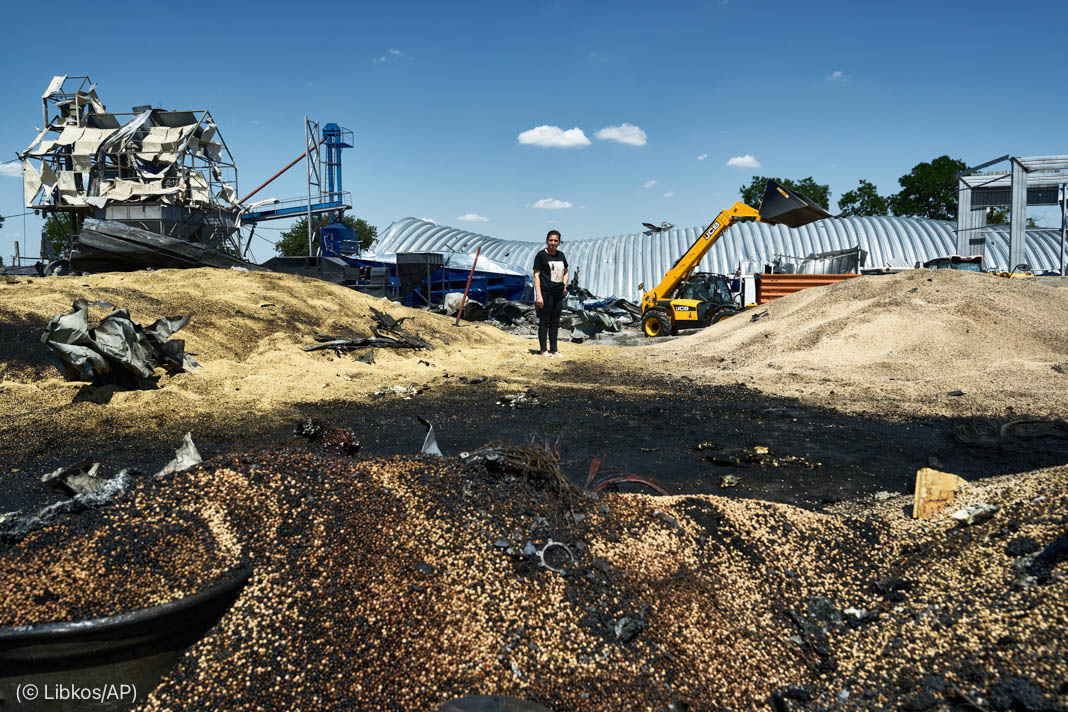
[[168, 172]]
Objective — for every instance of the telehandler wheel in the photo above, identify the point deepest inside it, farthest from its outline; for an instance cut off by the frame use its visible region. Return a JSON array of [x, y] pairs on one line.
[[721, 314], [656, 322]]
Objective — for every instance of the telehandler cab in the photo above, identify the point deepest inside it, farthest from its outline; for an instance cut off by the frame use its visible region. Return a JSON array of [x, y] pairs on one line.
[[685, 299]]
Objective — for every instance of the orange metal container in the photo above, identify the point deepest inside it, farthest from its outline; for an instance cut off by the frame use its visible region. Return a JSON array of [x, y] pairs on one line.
[[773, 286]]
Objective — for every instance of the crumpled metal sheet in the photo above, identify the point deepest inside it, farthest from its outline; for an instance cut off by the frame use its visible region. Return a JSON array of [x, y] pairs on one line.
[[108, 491], [185, 457], [430, 442], [79, 478], [119, 350], [110, 246]]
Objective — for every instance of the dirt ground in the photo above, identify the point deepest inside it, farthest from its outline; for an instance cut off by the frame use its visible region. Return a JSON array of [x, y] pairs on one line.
[[818, 401], [851, 387]]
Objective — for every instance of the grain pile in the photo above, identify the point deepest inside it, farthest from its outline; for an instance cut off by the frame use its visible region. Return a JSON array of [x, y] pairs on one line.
[[896, 343], [246, 331], [976, 616], [402, 583], [102, 562]]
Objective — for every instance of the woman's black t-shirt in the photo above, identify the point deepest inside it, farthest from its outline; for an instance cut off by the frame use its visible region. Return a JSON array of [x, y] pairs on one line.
[[551, 268]]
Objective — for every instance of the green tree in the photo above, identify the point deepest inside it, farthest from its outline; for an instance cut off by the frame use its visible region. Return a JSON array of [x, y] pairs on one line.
[[929, 190], [1000, 216], [294, 241], [997, 216], [753, 193], [57, 231], [863, 200]]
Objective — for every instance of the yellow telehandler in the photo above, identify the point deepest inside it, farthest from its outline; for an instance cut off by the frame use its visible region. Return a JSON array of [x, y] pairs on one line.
[[685, 299]]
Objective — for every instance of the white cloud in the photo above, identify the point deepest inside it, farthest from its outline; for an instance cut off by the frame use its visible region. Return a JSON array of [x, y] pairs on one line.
[[11, 170], [837, 76], [429, 220], [702, 157], [550, 204], [390, 54], [746, 161], [550, 222], [472, 217], [554, 137], [650, 183], [624, 133], [255, 122], [669, 195]]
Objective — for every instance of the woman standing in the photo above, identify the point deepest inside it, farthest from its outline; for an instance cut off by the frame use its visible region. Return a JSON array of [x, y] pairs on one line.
[[550, 287]]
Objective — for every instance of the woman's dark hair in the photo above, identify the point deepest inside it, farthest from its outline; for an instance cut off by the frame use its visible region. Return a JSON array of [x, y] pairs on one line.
[[551, 233]]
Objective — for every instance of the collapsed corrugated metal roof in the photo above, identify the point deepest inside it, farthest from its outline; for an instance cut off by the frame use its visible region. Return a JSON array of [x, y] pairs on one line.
[[614, 266], [88, 158]]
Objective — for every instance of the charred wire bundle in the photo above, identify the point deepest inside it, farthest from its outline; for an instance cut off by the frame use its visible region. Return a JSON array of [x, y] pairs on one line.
[[534, 463], [326, 437]]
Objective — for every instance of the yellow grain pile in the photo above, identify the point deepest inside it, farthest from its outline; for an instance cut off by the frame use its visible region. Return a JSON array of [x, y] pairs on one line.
[[898, 342]]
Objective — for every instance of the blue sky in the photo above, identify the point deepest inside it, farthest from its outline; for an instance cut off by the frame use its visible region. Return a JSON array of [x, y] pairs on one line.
[[439, 95]]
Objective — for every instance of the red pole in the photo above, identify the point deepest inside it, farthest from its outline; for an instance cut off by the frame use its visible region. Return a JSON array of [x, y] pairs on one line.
[[469, 276], [264, 184]]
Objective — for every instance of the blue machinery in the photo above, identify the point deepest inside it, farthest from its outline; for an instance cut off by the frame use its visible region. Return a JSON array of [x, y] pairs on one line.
[[417, 279], [329, 197]]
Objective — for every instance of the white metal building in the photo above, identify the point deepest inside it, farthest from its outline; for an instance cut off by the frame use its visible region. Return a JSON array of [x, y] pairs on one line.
[[614, 266]]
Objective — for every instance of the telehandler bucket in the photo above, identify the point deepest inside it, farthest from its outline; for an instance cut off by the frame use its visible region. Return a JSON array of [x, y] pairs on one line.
[[787, 207]]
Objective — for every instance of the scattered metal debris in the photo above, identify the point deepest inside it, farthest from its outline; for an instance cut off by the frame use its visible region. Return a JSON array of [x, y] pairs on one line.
[[405, 392], [109, 490], [580, 319], [519, 400], [184, 457], [387, 334], [628, 627], [758, 455], [729, 481], [430, 443], [79, 478], [118, 350], [975, 513], [540, 555]]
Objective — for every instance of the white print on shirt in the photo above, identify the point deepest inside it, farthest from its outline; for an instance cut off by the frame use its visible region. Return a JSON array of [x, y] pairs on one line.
[[556, 271]]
